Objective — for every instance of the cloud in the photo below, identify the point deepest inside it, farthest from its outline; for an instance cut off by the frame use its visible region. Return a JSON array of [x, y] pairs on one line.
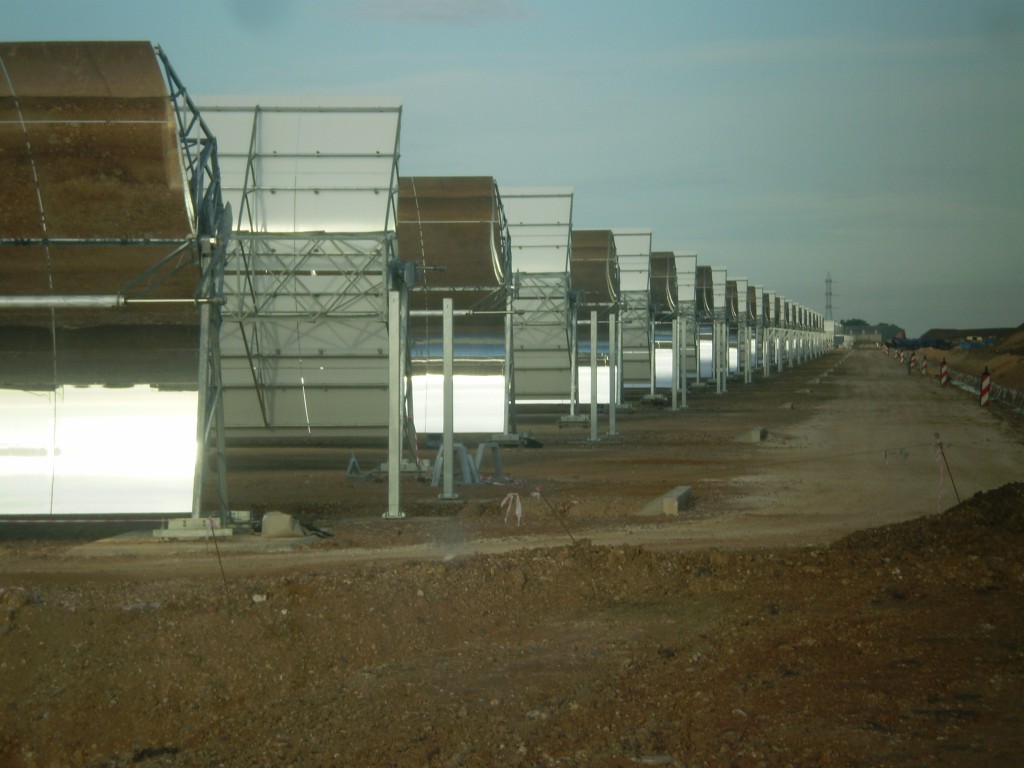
[[453, 13], [261, 16]]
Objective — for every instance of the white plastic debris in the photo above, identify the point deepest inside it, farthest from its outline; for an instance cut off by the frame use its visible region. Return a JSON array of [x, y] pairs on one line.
[[512, 503]]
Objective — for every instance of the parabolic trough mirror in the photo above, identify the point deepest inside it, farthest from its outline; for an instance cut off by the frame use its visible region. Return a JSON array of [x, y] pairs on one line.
[[594, 272], [454, 227], [101, 216]]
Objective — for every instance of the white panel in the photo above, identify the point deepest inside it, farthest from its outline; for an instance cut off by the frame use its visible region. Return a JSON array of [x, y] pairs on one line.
[[719, 278], [741, 297], [331, 169], [27, 455], [707, 356], [305, 313], [540, 227], [635, 327], [633, 253], [603, 384], [331, 339], [287, 409], [479, 403], [542, 357], [686, 277], [106, 450]]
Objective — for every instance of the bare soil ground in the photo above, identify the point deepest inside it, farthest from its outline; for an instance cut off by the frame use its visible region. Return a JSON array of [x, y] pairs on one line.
[[825, 601]]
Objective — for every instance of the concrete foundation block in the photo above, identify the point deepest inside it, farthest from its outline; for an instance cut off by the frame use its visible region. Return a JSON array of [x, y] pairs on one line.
[[676, 500], [670, 503], [192, 528], [755, 435]]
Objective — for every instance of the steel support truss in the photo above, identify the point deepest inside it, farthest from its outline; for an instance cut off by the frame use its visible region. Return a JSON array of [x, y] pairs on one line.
[[636, 333], [308, 323], [543, 336], [210, 217]]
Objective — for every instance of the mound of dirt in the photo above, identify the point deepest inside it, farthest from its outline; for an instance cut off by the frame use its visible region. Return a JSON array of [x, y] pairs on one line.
[[985, 521], [1006, 368], [899, 646], [1012, 344]]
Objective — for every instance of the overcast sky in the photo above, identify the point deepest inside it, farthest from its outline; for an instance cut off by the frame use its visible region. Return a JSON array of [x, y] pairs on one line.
[[879, 141]]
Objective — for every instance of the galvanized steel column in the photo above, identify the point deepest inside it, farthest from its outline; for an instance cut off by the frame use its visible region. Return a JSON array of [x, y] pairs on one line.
[[675, 363], [448, 369], [593, 377], [395, 426], [682, 361], [613, 385]]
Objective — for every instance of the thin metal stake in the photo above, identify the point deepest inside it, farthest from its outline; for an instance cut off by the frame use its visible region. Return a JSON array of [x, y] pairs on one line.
[[542, 497], [220, 562], [942, 453]]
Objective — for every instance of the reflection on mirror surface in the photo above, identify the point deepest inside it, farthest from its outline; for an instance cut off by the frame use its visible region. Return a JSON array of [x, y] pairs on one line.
[[478, 403], [97, 451]]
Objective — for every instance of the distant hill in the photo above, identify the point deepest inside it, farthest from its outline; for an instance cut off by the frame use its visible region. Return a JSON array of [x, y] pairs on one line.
[[1013, 344], [1004, 358], [957, 335]]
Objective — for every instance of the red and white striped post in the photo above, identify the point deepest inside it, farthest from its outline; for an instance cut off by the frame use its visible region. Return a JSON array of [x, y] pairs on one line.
[[913, 361], [924, 366], [943, 373], [986, 385]]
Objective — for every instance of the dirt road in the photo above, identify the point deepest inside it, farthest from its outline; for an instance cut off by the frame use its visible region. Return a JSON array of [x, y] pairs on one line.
[[868, 455], [849, 443]]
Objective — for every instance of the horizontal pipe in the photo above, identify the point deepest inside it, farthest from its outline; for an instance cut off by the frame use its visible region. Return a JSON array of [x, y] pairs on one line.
[[215, 300], [304, 110], [100, 301], [60, 302], [463, 312], [63, 242]]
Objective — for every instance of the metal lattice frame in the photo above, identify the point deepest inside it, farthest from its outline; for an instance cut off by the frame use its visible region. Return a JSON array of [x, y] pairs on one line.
[[211, 219], [685, 322], [633, 251], [307, 342], [720, 325], [753, 336], [543, 306], [310, 314], [742, 329]]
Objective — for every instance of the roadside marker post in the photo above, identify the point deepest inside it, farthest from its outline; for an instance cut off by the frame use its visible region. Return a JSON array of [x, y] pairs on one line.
[[986, 386], [943, 373], [924, 366]]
